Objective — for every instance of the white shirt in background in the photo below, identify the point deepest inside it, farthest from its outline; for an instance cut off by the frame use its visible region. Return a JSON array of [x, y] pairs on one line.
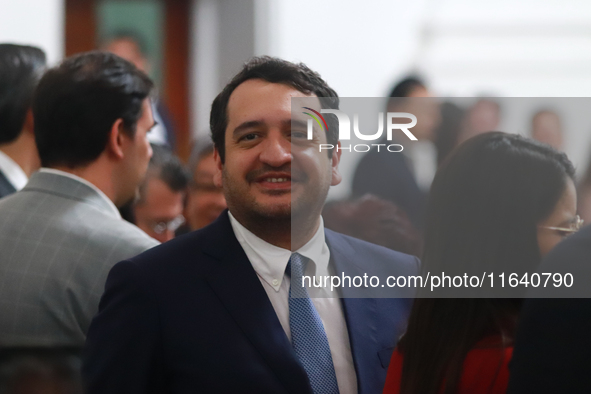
[[13, 172]]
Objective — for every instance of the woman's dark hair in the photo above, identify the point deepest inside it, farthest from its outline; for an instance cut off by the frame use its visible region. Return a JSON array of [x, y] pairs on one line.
[[273, 70], [483, 210], [77, 102]]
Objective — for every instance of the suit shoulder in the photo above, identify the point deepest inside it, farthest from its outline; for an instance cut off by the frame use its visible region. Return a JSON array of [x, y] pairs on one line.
[[371, 251], [120, 229], [176, 251]]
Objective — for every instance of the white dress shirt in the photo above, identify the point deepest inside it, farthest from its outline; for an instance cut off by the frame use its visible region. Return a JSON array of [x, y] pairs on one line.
[[270, 262], [82, 180], [13, 172], [423, 160]]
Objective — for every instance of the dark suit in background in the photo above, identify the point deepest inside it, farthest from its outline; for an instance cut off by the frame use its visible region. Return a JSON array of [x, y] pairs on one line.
[[388, 176], [553, 345], [191, 316]]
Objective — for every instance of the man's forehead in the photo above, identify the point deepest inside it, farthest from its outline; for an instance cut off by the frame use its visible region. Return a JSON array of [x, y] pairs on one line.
[[260, 101], [262, 89]]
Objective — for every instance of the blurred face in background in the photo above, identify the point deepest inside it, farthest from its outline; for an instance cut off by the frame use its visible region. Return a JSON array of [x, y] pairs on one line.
[[159, 212], [129, 50], [205, 201], [546, 128], [555, 227], [421, 104], [484, 116]]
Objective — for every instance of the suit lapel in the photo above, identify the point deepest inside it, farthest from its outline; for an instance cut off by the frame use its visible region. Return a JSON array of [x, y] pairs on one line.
[[238, 287], [361, 314]]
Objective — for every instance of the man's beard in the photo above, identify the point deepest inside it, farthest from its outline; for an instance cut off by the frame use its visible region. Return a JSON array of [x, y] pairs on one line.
[[243, 205], [294, 217]]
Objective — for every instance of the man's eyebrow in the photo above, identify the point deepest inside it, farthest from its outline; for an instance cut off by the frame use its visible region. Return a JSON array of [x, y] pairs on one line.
[[247, 125], [298, 123]]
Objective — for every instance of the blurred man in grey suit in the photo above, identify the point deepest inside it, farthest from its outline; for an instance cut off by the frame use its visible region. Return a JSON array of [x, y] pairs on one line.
[[20, 69], [61, 234]]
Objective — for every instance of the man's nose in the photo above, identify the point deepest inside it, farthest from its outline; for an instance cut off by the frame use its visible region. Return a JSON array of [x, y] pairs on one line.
[[276, 150]]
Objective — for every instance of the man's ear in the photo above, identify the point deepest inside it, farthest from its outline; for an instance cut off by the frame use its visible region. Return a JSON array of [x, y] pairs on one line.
[[217, 177], [336, 158], [117, 139]]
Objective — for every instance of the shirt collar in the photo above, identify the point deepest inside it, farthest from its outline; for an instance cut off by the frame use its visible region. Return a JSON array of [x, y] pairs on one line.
[[270, 261], [89, 184], [12, 171]]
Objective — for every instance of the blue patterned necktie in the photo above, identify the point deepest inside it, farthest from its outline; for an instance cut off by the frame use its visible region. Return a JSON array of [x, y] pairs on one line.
[[308, 337]]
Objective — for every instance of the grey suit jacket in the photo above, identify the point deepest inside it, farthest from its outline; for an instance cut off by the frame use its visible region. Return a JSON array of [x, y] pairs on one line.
[[6, 187], [58, 240]]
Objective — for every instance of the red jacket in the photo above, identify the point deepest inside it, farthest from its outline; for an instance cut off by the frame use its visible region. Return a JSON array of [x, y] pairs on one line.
[[485, 369]]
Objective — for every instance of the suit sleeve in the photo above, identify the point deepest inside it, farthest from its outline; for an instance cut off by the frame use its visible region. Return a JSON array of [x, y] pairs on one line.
[[122, 347]]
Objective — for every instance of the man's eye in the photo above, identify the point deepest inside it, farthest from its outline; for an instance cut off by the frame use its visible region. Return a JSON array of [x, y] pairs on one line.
[[299, 135], [248, 137]]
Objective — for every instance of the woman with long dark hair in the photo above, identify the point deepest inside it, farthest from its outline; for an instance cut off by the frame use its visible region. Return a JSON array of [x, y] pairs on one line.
[[498, 203]]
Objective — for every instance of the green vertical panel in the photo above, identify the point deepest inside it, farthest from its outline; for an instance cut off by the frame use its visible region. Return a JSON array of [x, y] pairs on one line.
[[144, 18]]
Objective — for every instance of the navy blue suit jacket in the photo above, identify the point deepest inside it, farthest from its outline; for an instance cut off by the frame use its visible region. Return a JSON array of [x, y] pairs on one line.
[[191, 316]]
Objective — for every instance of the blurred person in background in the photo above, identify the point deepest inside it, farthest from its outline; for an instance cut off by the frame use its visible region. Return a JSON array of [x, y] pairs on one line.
[[21, 68], [584, 197], [39, 371], [373, 220], [158, 211], [546, 127], [403, 178], [482, 117], [553, 346], [448, 131], [498, 203], [62, 233], [205, 201], [131, 47]]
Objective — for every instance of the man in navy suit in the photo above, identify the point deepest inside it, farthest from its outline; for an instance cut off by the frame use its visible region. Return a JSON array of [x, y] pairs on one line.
[[211, 311]]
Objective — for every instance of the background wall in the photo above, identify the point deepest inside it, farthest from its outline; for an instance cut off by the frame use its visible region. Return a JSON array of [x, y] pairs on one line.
[[463, 47], [34, 22]]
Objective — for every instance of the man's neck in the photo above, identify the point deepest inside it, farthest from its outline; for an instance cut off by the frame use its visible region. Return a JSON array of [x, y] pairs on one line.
[[282, 233], [24, 153], [95, 174]]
